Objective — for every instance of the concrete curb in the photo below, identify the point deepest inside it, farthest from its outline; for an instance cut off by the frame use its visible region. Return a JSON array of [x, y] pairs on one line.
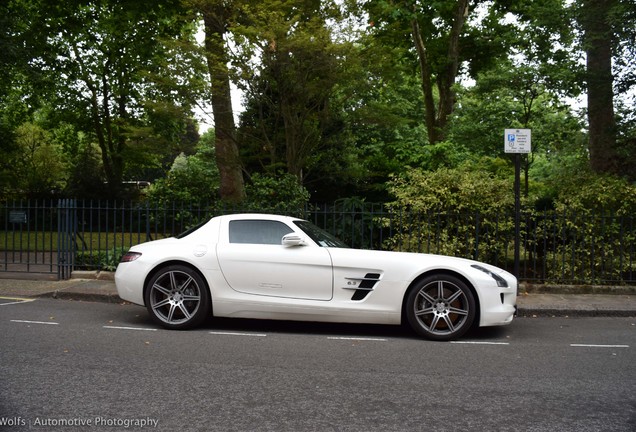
[[529, 288], [566, 313], [103, 297]]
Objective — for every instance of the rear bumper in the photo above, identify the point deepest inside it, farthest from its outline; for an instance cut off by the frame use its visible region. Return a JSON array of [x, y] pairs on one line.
[[129, 281]]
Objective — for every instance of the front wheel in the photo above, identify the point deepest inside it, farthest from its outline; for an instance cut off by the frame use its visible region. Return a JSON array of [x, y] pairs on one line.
[[177, 298], [441, 307]]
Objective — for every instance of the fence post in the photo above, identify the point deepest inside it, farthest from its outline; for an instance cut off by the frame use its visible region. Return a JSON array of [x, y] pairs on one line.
[[66, 228], [476, 251]]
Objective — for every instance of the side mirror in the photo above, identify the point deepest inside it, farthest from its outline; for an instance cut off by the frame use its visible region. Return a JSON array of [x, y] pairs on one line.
[[293, 240]]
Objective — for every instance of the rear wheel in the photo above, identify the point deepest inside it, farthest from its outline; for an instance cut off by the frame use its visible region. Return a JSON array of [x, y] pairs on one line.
[[441, 307], [177, 297]]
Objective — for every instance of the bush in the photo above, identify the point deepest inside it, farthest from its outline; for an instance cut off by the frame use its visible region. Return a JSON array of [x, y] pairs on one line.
[[596, 234], [281, 193], [454, 211], [106, 260], [190, 179]]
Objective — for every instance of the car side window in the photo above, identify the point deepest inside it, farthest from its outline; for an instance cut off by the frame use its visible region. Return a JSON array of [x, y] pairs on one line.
[[258, 231]]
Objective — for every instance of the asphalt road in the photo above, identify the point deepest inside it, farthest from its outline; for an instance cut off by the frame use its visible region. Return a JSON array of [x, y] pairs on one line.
[[68, 365]]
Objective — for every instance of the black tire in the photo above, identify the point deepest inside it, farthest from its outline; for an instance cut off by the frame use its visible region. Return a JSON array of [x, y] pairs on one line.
[[177, 298], [440, 307]]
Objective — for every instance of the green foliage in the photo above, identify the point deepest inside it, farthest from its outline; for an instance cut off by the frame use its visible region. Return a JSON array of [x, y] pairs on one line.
[[582, 191], [106, 260], [512, 96], [83, 169], [291, 88], [99, 63], [191, 179], [452, 190], [276, 194], [461, 211], [333, 95], [382, 129], [352, 221], [38, 164], [593, 235], [588, 245], [188, 197]]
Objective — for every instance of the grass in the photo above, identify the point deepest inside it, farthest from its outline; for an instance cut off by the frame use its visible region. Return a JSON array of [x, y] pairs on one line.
[[87, 241]]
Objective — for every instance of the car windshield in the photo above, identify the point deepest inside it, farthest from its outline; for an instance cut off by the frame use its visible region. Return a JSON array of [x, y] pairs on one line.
[[320, 236]]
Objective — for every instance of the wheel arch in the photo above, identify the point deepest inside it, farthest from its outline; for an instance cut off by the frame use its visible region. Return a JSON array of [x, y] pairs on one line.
[[447, 272], [169, 263]]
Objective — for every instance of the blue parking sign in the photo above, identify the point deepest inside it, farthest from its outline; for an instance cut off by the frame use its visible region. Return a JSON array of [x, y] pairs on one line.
[[517, 140]]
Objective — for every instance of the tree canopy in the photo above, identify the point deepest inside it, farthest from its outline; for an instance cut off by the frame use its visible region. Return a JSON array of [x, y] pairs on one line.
[[347, 97]]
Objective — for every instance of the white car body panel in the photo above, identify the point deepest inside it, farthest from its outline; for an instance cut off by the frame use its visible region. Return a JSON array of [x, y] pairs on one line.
[[277, 271], [308, 282]]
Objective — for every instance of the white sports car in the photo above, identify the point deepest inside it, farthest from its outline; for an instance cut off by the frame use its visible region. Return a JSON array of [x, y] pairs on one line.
[[278, 267]]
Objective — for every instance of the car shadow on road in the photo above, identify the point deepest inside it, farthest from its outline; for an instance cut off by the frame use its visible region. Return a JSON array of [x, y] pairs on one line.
[[244, 325], [303, 327], [339, 329]]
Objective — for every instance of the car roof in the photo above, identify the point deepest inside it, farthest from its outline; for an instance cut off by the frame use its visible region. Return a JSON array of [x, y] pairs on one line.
[[262, 216]]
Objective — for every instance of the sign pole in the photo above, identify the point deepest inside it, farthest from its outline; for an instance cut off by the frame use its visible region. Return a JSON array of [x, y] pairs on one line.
[[517, 211], [517, 141]]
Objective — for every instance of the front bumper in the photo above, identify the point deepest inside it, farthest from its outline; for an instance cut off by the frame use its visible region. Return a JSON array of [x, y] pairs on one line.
[[499, 308]]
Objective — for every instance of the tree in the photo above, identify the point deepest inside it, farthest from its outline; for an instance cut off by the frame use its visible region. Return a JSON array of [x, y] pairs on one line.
[[218, 16], [437, 32], [598, 41], [98, 58], [38, 166], [291, 87], [436, 119], [516, 96], [463, 38], [606, 39], [190, 179]]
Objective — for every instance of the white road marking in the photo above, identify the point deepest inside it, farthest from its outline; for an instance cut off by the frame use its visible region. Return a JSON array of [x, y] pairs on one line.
[[356, 338], [479, 343], [238, 334], [129, 328], [599, 346], [35, 322], [17, 300]]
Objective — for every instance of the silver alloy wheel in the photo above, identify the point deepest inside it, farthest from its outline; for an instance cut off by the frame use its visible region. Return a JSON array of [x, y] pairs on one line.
[[175, 297], [441, 308]]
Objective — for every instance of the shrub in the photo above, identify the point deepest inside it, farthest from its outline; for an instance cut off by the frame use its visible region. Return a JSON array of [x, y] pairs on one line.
[[459, 211], [100, 260], [596, 233], [281, 193]]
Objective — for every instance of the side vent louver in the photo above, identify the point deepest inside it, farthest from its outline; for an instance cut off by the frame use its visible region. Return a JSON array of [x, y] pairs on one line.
[[363, 286]]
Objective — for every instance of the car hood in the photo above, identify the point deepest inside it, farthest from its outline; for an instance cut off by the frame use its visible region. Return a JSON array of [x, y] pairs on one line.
[[405, 263]]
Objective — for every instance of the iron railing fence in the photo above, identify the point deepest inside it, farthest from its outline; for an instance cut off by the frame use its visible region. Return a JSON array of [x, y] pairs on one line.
[[28, 240], [568, 248]]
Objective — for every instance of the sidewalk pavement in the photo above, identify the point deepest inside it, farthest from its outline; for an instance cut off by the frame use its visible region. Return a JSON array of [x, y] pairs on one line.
[[533, 300]]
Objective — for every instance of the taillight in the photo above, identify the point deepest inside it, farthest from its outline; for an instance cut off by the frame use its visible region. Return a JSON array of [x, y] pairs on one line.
[[130, 256]]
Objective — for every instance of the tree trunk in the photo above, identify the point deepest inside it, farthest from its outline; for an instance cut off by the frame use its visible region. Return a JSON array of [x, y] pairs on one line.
[[436, 119], [600, 93], [449, 75], [227, 154], [430, 113]]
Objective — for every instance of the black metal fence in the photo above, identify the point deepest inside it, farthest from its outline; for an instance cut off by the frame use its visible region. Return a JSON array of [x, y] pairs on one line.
[[58, 237]]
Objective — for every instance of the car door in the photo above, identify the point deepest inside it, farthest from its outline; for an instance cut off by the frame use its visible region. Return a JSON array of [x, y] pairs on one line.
[[254, 261]]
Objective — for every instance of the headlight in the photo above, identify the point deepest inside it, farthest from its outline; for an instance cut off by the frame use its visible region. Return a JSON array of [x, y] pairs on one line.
[[130, 256], [501, 282]]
